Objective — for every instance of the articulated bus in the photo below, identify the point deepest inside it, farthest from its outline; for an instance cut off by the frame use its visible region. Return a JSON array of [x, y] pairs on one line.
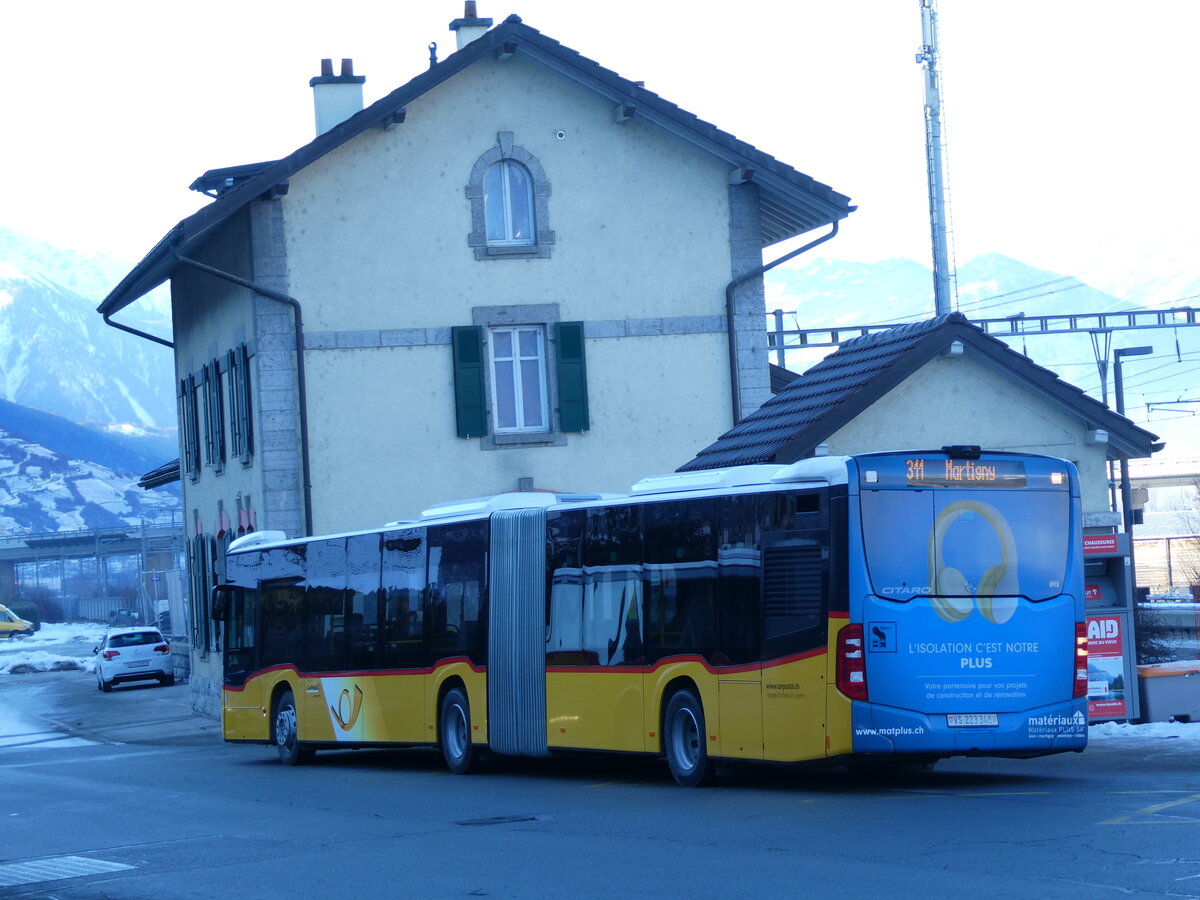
[[901, 606]]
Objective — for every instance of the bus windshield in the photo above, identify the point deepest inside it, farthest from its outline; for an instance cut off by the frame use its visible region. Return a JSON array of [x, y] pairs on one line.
[[966, 542]]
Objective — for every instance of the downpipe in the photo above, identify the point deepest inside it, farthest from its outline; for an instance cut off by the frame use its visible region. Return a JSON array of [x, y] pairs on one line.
[[301, 390], [735, 381]]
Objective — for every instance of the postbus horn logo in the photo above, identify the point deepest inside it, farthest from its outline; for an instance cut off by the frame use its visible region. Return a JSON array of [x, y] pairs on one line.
[[347, 708], [953, 596]]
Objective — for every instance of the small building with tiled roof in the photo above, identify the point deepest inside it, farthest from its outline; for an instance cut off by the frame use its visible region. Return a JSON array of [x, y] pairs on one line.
[[519, 270], [925, 386]]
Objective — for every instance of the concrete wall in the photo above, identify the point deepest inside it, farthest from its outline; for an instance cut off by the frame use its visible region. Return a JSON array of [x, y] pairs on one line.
[[960, 400]]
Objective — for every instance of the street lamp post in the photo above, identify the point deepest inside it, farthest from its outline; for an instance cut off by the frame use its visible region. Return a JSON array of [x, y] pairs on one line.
[[1126, 493]]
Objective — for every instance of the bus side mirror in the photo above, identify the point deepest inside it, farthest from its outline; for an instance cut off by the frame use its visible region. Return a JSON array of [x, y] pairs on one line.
[[218, 604]]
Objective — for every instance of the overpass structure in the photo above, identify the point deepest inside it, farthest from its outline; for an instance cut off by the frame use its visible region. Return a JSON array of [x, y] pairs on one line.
[[93, 572]]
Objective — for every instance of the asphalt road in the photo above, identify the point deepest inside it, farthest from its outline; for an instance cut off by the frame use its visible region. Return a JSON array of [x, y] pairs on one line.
[[126, 795]]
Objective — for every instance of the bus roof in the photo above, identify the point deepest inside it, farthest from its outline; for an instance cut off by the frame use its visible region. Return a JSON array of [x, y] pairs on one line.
[[829, 470]]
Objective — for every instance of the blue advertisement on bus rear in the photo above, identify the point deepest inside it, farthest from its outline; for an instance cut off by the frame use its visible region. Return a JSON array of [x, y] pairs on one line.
[[969, 609]]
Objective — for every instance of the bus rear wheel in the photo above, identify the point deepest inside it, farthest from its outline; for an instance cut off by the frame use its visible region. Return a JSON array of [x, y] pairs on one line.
[[454, 732], [684, 740], [287, 735]]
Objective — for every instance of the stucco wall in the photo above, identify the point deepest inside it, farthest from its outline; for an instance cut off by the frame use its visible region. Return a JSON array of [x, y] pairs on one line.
[[387, 452], [210, 317], [377, 245], [377, 230], [959, 400]]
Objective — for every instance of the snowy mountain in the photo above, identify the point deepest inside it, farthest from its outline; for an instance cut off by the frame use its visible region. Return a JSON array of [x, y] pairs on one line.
[[56, 352], [1160, 389], [90, 275], [50, 481]]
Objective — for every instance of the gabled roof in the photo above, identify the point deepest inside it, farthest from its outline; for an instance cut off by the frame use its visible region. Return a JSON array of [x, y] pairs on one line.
[[842, 386], [791, 202]]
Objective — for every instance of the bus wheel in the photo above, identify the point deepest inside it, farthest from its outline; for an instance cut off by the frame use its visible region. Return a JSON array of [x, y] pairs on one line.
[[287, 738], [684, 740], [454, 731]]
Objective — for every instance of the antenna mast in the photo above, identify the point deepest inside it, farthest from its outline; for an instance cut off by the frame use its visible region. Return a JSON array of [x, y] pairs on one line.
[[928, 59]]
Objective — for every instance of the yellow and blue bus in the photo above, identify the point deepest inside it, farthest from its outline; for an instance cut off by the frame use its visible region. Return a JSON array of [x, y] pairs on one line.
[[902, 606]]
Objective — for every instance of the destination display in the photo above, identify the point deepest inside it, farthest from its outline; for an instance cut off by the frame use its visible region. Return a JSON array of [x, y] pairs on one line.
[[943, 472]]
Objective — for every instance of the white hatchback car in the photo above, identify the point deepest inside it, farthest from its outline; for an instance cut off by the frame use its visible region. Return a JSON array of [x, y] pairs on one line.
[[133, 654]]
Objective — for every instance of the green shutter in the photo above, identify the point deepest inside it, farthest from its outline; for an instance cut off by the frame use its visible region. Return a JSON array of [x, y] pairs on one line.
[[572, 377], [469, 397], [246, 422], [185, 428]]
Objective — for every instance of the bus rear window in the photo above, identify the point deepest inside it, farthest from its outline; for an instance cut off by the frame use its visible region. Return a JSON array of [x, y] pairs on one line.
[[973, 542]]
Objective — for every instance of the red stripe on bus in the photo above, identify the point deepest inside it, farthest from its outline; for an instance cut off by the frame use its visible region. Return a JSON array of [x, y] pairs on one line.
[[357, 673], [671, 660]]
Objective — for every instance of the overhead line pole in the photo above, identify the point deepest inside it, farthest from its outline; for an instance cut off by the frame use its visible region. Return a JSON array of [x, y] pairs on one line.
[[928, 59]]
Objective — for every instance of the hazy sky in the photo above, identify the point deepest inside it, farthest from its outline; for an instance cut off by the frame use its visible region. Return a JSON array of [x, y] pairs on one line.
[[1069, 122]]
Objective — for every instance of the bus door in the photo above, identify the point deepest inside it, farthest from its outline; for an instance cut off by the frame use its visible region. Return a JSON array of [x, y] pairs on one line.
[[401, 687], [795, 611], [969, 624], [236, 609], [595, 639], [739, 672]]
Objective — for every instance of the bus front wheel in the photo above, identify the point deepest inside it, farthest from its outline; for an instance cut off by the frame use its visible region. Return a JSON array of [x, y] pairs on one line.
[[454, 731], [287, 736], [684, 740]]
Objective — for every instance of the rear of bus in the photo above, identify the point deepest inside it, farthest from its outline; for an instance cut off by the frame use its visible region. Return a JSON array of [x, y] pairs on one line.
[[966, 629]]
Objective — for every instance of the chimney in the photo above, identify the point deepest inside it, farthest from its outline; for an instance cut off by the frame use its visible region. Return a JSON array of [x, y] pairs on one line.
[[336, 97], [470, 26]]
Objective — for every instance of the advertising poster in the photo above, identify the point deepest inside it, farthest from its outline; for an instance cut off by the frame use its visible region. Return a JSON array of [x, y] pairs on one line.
[[1106, 667]]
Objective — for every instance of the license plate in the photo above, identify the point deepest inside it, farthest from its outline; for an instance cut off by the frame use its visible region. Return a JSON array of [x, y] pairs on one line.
[[139, 663], [966, 720]]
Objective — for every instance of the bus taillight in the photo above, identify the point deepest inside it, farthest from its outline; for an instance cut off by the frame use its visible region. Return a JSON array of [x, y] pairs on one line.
[[1081, 661], [851, 663]]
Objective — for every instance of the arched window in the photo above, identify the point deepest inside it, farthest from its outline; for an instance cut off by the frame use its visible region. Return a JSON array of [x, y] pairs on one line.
[[508, 205]]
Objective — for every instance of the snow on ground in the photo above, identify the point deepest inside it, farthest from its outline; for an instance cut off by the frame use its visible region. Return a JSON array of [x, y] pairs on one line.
[[41, 661], [58, 633], [55, 647], [1187, 732]]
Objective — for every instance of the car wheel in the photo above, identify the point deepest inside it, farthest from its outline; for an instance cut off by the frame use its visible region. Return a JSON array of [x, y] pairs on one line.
[[166, 680], [287, 738], [105, 686], [454, 732], [684, 739]]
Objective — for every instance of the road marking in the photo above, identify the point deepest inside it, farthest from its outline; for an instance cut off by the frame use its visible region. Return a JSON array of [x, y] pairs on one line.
[[1007, 794], [55, 869], [1156, 810]]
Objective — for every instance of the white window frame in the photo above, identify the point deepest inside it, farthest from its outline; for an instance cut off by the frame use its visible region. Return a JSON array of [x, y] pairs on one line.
[[515, 380], [505, 203]]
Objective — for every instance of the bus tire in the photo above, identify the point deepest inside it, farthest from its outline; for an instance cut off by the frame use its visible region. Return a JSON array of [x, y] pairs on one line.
[[454, 733], [684, 740], [287, 733]]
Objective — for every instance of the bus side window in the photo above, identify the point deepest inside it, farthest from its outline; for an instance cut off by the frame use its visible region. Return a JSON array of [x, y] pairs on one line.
[[326, 643], [680, 557], [403, 637], [282, 638], [362, 626], [456, 592], [739, 574], [612, 615], [564, 589], [241, 612]]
